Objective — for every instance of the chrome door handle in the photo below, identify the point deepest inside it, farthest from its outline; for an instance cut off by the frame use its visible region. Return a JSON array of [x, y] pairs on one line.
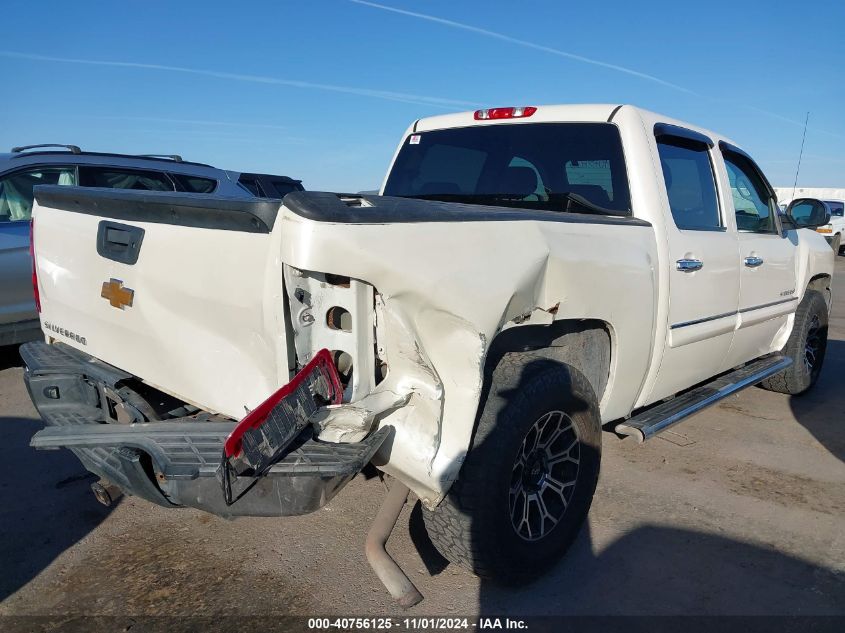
[[753, 262], [689, 265]]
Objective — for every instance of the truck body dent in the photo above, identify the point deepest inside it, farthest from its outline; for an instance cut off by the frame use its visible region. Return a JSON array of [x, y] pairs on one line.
[[432, 313]]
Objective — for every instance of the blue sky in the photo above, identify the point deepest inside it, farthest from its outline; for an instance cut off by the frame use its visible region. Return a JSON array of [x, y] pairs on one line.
[[323, 90]]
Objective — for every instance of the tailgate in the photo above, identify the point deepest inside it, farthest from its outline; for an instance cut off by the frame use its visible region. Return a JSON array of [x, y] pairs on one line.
[[181, 290]]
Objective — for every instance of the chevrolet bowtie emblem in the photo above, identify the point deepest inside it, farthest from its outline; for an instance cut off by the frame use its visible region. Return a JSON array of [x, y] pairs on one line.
[[118, 296]]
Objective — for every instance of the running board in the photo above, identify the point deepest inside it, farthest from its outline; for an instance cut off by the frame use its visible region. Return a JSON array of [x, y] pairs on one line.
[[652, 421]]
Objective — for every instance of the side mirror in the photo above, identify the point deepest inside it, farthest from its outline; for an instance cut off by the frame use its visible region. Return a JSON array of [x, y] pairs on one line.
[[808, 213], [787, 222]]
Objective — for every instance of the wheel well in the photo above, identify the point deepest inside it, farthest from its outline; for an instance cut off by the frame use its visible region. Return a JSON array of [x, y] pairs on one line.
[[821, 283], [583, 344]]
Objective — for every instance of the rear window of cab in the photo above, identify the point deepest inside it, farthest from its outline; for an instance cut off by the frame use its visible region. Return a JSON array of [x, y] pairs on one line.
[[576, 167]]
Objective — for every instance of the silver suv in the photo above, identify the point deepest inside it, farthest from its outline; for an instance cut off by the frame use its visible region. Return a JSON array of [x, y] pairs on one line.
[[26, 167]]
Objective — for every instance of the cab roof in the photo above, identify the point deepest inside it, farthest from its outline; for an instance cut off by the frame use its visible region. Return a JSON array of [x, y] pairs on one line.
[[558, 113]]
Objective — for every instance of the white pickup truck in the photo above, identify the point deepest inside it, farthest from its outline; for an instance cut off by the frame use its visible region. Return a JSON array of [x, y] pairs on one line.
[[528, 276]]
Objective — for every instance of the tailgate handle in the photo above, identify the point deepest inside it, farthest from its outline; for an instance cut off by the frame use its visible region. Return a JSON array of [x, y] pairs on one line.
[[119, 242]]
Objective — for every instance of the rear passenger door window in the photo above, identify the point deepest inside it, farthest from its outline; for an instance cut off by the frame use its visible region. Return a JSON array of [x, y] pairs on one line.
[[690, 183], [16, 190], [116, 178], [754, 207]]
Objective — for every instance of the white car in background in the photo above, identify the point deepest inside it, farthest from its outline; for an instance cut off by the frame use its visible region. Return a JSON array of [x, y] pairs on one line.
[[834, 231], [833, 198]]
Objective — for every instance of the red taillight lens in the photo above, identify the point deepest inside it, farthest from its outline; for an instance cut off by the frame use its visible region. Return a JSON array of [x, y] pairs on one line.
[[34, 268], [264, 435], [504, 113], [285, 413]]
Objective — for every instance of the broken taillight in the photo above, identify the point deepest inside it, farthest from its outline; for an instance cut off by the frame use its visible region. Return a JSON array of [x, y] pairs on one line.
[[277, 420], [519, 112], [34, 267], [262, 438]]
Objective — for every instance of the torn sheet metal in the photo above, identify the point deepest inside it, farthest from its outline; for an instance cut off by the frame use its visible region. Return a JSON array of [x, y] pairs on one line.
[[440, 294]]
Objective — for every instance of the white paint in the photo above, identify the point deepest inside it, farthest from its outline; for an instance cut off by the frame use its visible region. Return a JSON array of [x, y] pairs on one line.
[[208, 323]]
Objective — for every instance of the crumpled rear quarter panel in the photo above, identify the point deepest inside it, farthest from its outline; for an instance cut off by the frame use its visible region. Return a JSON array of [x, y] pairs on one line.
[[450, 287]]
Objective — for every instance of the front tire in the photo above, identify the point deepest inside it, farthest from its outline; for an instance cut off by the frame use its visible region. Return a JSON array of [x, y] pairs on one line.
[[806, 347], [528, 481]]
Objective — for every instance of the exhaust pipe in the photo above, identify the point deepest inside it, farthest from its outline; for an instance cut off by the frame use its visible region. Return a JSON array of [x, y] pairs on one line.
[[106, 492], [390, 574]]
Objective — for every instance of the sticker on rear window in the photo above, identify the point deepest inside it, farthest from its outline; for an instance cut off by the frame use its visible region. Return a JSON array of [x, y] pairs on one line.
[[415, 139]]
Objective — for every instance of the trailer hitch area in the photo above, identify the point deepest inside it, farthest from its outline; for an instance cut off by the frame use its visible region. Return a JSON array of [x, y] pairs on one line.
[[264, 435], [388, 571]]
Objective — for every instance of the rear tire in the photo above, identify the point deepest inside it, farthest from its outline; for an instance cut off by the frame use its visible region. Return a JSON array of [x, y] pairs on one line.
[[806, 347], [528, 481]]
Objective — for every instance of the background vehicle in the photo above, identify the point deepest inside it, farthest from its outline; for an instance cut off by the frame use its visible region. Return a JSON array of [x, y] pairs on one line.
[[268, 185], [834, 198], [835, 229], [529, 276], [27, 167]]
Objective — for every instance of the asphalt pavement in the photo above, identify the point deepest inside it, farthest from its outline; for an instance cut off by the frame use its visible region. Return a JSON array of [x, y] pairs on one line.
[[739, 510]]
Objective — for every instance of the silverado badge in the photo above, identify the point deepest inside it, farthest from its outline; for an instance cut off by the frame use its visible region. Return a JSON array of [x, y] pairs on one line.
[[118, 296]]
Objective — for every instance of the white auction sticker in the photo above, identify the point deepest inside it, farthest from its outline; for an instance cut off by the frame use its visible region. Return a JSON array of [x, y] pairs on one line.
[[415, 139]]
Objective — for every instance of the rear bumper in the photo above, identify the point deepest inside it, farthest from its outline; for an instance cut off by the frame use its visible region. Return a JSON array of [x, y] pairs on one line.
[[175, 462]]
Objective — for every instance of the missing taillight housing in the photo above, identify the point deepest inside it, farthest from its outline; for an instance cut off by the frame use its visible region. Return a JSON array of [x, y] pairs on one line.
[[34, 267], [344, 364], [338, 318]]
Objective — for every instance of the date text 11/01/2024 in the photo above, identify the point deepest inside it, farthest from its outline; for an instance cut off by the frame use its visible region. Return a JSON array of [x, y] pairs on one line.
[[415, 624]]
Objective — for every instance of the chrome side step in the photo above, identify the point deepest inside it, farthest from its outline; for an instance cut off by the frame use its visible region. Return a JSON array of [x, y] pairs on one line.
[[655, 419]]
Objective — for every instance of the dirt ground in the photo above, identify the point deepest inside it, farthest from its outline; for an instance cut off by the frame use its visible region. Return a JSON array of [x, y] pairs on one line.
[[740, 510]]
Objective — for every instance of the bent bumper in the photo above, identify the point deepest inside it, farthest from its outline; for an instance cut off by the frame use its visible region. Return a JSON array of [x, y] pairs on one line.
[[175, 462]]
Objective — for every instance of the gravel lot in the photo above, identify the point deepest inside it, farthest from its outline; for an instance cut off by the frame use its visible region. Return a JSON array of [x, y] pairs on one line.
[[740, 510]]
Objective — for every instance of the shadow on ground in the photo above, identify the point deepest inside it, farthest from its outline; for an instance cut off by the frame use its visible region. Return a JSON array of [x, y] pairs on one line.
[[46, 504], [664, 571], [658, 570], [10, 357], [822, 410]]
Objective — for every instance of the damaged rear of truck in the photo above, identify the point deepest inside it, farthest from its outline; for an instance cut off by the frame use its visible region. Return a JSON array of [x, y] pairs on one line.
[[467, 332], [417, 302], [171, 319]]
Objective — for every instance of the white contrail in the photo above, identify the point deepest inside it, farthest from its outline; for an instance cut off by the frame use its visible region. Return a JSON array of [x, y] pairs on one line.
[[201, 122], [362, 92], [526, 44], [573, 56]]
